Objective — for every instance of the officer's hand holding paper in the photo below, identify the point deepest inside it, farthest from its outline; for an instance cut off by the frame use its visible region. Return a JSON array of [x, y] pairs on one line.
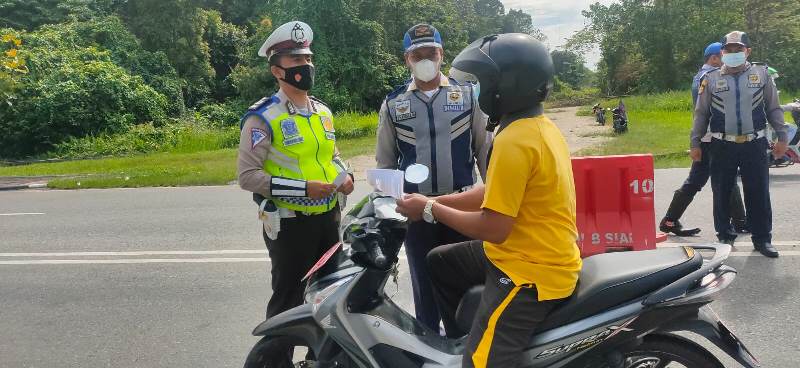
[[390, 182]]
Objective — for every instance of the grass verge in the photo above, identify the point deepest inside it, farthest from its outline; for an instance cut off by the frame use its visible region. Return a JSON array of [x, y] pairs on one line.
[[217, 167], [659, 124]]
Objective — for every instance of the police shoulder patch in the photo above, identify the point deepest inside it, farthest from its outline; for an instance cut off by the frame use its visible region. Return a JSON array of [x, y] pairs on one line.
[[257, 136]]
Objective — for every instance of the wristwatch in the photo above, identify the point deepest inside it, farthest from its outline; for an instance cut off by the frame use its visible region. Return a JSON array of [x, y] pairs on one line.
[[427, 213]]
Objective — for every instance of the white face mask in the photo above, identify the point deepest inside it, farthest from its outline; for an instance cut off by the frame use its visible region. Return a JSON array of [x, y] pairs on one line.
[[425, 70], [734, 60]]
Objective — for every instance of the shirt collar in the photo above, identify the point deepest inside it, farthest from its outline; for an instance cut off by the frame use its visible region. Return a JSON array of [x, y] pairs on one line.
[[443, 82], [726, 70], [290, 108]]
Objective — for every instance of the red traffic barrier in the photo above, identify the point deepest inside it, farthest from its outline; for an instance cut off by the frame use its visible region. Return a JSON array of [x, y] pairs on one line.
[[615, 203]]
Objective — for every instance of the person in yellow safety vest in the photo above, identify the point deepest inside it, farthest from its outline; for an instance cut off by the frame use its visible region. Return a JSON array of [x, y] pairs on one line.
[[289, 160]]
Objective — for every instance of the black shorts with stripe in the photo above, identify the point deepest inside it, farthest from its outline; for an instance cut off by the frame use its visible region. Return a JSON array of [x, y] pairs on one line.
[[507, 315]]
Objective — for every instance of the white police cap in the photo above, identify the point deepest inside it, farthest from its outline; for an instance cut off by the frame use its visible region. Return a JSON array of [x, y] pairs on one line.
[[293, 38]]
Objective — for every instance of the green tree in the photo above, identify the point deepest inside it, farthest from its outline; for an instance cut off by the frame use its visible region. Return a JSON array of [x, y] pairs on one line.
[[569, 67], [175, 27], [30, 14], [226, 41]]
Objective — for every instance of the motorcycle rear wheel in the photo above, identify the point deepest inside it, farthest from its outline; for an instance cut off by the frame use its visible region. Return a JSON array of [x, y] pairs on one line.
[[665, 351]]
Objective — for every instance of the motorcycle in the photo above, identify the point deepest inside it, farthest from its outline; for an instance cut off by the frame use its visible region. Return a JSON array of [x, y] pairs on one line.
[[624, 313], [620, 118], [599, 113], [793, 149]]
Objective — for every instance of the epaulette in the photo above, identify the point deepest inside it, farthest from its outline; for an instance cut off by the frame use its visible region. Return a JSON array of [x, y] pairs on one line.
[[315, 100], [702, 76], [258, 107], [264, 102], [398, 90]]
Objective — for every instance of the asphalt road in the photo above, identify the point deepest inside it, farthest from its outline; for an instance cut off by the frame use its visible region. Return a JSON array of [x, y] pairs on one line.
[[178, 277]]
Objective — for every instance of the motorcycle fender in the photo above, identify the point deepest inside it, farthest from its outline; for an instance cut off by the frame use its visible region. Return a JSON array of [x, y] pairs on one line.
[[297, 323], [708, 325]]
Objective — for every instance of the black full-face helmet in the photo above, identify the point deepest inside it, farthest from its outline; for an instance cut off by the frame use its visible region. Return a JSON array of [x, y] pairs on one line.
[[513, 71]]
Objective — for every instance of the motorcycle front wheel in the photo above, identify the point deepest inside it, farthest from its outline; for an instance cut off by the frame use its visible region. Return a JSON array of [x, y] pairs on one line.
[[278, 352], [663, 351]]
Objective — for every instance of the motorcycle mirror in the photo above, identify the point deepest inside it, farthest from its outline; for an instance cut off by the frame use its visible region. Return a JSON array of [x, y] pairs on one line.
[[417, 173]]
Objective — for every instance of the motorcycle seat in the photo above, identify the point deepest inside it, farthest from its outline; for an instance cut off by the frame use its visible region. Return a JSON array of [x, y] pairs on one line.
[[606, 280]]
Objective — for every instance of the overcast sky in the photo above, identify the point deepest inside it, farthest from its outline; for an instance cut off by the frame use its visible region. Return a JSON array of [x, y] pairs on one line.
[[558, 19]]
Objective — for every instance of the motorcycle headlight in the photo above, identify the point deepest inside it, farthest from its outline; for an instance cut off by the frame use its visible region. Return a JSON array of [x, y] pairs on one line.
[[319, 297]]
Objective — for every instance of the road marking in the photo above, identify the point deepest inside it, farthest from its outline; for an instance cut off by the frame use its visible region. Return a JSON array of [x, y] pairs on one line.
[[132, 261], [745, 244], [137, 253], [21, 214], [757, 254]]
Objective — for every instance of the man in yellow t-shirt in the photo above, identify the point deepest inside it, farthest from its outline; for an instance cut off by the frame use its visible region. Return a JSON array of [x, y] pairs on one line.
[[525, 215]]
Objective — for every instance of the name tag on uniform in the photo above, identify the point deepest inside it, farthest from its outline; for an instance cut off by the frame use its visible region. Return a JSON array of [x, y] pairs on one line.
[[722, 86], [403, 111], [291, 135], [754, 81], [455, 101]]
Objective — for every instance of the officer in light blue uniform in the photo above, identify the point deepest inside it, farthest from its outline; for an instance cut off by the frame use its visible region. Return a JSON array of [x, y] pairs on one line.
[[700, 171], [735, 103], [435, 121]]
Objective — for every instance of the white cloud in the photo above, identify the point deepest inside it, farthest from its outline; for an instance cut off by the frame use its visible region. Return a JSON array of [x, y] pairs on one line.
[[558, 19]]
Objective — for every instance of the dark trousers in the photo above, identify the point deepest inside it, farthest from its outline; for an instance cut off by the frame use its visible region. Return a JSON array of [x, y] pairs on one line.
[[507, 315], [301, 242], [750, 159], [421, 238], [698, 178]]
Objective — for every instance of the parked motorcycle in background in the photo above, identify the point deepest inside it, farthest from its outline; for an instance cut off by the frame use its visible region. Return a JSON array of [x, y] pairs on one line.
[[620, 118], [599, 114]]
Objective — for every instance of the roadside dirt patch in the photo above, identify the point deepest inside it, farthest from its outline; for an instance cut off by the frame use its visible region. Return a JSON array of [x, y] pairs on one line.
[[580, 132]]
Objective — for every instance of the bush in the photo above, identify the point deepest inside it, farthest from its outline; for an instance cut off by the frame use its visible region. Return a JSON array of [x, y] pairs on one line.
[[563, 95], [86, 78], [74, 99], [178, 137], [221, 115]]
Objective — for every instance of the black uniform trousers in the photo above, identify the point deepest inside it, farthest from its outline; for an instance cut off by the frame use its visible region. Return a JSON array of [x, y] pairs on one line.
[[507, 315], [421, 238], [698, 178], [301, 242], [750, 159]]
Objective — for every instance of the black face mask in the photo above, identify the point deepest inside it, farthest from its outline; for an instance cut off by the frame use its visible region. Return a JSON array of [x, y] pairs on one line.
[[301, 76]]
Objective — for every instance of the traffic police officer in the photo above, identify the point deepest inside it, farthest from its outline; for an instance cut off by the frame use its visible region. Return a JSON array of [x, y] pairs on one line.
[[735, 103], [699, 173], [288, 159], [435, 121]]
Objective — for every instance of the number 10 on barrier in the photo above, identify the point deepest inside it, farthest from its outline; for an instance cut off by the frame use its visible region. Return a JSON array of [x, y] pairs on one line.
[[645, 186]]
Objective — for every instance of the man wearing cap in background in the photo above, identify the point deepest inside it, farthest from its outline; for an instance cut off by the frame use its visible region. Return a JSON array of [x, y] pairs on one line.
[[434, 121], [288, 159], [699, 173], [735, 103]]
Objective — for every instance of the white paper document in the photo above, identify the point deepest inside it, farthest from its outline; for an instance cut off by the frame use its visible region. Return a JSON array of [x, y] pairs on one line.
[[388, 182], [340, 179]]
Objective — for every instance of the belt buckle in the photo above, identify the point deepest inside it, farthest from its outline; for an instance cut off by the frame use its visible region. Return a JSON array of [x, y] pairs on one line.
[[741, 139]]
